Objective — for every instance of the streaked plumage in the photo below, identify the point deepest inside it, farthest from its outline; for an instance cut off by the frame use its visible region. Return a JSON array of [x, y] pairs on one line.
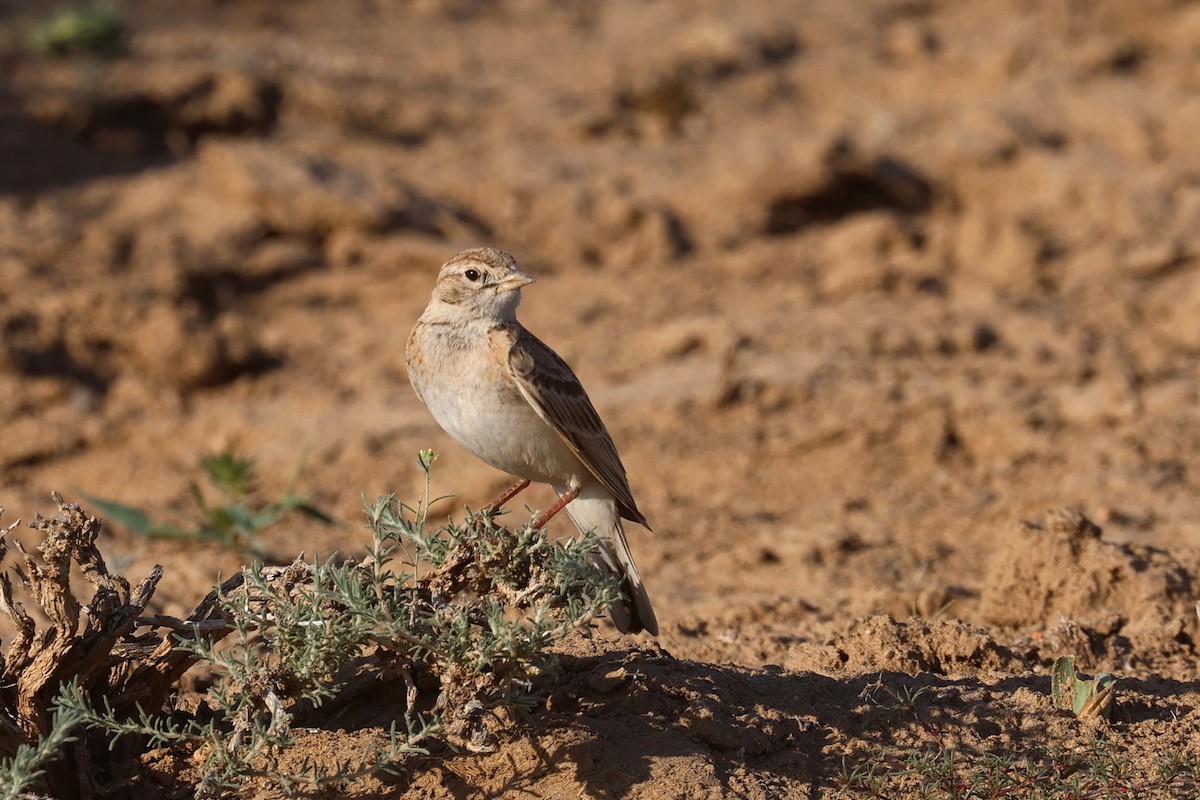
[[509, 399]]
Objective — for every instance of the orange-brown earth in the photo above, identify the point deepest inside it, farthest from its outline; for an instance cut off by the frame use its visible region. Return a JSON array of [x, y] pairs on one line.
[[856, 287]]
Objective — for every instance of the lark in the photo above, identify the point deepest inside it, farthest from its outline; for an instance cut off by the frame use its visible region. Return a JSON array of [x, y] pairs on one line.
[[509, 400]]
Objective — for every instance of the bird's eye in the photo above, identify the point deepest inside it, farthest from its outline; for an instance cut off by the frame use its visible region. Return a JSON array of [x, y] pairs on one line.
[[472, 275]]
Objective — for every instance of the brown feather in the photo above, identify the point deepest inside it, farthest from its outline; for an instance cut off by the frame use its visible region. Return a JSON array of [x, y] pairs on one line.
[[557, 396]]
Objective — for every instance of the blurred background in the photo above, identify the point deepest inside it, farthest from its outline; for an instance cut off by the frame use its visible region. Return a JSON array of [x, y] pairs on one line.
[[855, 286]]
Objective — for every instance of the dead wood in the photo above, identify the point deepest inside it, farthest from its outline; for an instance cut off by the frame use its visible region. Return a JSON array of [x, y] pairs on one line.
[[96, 630]]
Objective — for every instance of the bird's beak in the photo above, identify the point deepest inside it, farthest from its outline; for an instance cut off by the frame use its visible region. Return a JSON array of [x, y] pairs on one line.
[[513, 282]]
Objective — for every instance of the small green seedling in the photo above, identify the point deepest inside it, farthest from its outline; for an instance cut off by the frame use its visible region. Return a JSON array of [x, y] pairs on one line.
[[1072, 691], [96, 30], [233, 520]]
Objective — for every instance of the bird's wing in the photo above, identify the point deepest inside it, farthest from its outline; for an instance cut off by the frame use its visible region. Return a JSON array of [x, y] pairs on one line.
[[414, 358], [556, 395]]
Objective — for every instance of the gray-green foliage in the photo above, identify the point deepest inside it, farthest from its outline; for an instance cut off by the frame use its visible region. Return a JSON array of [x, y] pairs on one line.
[[471, 609], [21, 772]]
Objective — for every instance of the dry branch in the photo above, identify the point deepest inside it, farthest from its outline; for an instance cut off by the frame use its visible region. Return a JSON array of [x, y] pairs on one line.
[[106, 643]]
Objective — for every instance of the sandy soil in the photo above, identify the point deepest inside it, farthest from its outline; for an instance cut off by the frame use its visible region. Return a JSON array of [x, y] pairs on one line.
[[858, 288]]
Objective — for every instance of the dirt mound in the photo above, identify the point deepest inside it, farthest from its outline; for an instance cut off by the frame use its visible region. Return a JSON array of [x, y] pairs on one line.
[[1117, 605], [1062, 565], [941, 647]]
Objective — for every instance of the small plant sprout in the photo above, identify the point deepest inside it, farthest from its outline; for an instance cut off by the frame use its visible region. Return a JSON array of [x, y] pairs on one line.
[[1074, 692], [234, 519], [95, 29]]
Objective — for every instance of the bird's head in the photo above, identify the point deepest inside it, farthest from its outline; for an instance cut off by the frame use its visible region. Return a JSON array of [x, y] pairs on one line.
[[483, 282]]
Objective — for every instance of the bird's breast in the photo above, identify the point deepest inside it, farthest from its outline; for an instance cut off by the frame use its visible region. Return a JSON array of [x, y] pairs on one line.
[[472, 396]]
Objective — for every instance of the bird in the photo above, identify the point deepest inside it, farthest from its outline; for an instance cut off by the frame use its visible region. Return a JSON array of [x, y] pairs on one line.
[[511, 401]]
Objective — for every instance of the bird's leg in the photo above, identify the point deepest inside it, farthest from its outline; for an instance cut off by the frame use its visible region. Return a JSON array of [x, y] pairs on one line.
[[541, 519], [512, 492]]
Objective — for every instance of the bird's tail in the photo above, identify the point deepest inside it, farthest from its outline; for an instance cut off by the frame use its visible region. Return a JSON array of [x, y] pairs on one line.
[[595, 510], [633, 613]]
